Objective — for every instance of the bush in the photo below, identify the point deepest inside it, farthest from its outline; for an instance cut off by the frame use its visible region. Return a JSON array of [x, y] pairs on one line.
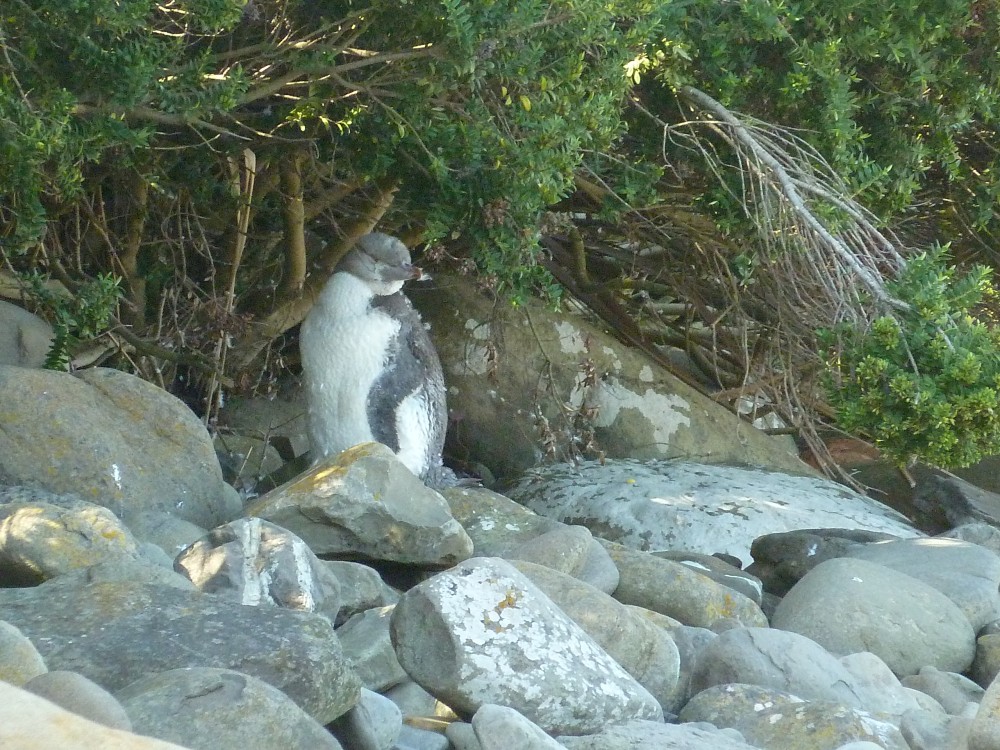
[[923, 382]]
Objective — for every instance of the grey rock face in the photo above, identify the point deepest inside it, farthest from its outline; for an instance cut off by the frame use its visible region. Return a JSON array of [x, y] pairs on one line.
[[676, 505], [953, 691], [368, 647], [356, 587], [114, 438], [648, 735], [719, 571], [945, 502], [254, 562], [782, 721], [374, 723], [24, 337], [45, 539], [674, 589], [503, 728], [848, 605], [646, 651], [984, 733], [778, 660], [518, 650], [116, 633], [364, 502], [966, 573], [19, 659], [84, 697], [220, 709]]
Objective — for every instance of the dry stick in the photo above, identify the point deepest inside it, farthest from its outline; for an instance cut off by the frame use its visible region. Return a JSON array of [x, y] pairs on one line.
[[247, 170], [791, 193], [294, 215], [129, 259]]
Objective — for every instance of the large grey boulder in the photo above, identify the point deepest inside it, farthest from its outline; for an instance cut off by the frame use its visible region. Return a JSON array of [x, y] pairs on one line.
[[781, 660], [648, 735], [849, 605], [506, 415], [28, 722], [220, 709], [678, 505], [966, 573], [647, 652], [113, 439], [482, 633], [115, 633], [46, 535], [778, 720], [364, 502], [255, 562], [24, 337]]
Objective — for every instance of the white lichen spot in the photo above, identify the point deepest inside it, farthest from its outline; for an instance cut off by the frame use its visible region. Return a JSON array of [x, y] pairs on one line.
[[477, 356], [487, 524], [511, 527], [116, 475], [811, 549], [571, 339], [774, 718], [646, 374], [666, 412]]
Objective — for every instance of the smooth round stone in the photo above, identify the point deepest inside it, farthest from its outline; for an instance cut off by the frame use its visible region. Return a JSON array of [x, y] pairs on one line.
[[19, 659], [84, 697]]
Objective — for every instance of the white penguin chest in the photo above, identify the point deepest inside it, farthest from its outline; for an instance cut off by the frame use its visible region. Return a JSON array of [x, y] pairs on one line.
[[345, 345]]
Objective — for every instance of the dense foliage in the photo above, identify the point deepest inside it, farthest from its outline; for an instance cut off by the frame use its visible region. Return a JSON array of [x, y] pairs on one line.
[[218, 156], [923, 381]]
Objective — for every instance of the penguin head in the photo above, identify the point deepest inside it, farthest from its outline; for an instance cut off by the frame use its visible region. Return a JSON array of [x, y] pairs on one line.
[[382, 262]]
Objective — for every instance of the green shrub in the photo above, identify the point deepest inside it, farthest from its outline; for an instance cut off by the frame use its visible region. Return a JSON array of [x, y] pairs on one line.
[[923, 382]]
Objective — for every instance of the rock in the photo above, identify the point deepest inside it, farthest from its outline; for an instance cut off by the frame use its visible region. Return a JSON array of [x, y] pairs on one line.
[[782, 721], [219, 709], [112, 439], [412, 738], [138, 570], [986, 664], [415, 703], [644, 650], [28, 722], [849, 605], [503, 728], [358, 588], [116, 633], [19, 659], [492, 356], [984, 733], [374, 723], [365, 502], [44, 539], [499, 527], [648, 735], [780, 560], [165, 530], [84, 697], [675, 505], [25, 338], [786, 662], [944, 502], [966, 573], [518, 650], [924, 730], [368, 647], [689, 642], [719, 571], [673, 589], [254, 562], [953, 691]]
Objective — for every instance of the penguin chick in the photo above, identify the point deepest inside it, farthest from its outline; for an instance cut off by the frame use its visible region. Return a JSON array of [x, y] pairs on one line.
[[371, 370]]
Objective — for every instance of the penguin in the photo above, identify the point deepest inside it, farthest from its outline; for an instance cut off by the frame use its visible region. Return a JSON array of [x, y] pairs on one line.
[[371, 370]]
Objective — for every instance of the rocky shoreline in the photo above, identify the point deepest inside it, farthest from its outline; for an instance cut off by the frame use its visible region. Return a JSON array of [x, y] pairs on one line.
[[354, 607]]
